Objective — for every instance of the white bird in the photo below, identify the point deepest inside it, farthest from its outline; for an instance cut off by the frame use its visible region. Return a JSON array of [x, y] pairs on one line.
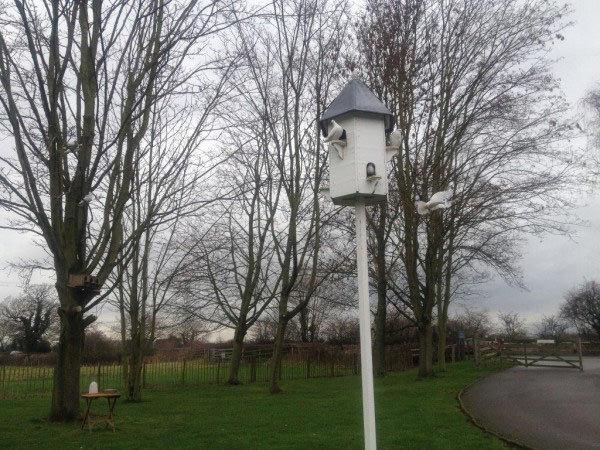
[[422, 208], [337, 133], [337, 138], [395, 139], [439, 200], [87, 199]]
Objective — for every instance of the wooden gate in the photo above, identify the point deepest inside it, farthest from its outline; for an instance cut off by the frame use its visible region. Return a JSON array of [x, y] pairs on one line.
[[565, 355]]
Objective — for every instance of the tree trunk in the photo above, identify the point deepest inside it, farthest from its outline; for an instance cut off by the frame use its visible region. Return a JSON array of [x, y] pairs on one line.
[[425, 351], [443, 301], [304, 325], [124, 364], [136, 363], [380, 321], [382, 285], [152, 327], [65, 391], [124, 346], [274, 370], [442, 330], [236, 356], [442, 319]]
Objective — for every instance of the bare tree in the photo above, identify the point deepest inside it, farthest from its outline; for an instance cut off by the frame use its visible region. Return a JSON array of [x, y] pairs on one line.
[[331, 300], [307, 42], [383, 247], [472, 322], [342, 330], [511, 326], [592, 101], [5, 334], [29, 318], [190, 330], [552, 327], [582, 308], [170, 184], [264, 330], [232, 278], [79, 80], [293, 60], [479, 114]]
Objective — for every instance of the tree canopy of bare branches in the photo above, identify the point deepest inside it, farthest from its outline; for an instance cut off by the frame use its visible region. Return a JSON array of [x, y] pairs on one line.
[[79, 81], [29, 318], [592, 101], [552, 327], [480, 115], [472, 322], [582, 308], [512, 326]]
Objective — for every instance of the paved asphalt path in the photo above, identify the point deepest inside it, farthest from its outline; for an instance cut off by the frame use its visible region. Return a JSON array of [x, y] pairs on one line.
[[543, 408]]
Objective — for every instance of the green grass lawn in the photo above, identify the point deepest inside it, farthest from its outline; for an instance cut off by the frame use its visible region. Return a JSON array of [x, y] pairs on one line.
[[310, 414]]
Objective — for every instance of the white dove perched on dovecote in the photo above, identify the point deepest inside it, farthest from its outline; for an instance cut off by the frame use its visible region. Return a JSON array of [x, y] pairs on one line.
[[337, 133], [336, 138]]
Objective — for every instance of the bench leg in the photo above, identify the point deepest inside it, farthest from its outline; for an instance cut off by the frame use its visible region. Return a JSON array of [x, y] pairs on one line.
[[87, 413], [111, 406]]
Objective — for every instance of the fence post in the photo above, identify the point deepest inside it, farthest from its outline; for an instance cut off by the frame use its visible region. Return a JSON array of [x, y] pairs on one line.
[[579, 351], [354, 364], [477, 352], [319, 362], [259, 359], [253, 368], [453, 354], [525, 347], [308, 364], [332, 365], [4, 380], [218, 369], [183, 372], [498, 348], [144, 375]]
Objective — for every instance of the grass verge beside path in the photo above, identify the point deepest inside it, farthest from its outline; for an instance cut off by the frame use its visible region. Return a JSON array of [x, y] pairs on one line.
[[322, 413]]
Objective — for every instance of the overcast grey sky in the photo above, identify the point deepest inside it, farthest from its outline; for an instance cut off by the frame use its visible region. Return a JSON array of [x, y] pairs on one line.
[[551, 264]]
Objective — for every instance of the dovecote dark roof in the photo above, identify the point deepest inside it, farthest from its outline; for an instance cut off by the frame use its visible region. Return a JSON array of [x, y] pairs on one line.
[[356, 97]]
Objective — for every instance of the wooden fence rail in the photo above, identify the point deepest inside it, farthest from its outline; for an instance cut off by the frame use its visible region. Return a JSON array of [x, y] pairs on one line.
[[562, 356]]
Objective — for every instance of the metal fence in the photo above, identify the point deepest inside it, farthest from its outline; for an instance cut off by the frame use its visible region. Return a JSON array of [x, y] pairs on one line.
[[211, 366]]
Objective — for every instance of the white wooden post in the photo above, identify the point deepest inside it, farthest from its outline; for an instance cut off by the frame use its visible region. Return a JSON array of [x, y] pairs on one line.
[[357, 170], [364, 311]]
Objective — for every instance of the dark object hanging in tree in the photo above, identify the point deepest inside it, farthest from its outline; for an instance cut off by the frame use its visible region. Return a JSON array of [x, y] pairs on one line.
[[84, 282]]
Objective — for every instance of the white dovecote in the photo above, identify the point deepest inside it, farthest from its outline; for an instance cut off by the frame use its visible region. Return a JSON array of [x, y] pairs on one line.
[[357, 157]]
